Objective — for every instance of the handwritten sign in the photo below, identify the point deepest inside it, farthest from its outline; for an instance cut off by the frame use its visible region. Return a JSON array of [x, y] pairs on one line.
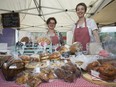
[[10, 20]]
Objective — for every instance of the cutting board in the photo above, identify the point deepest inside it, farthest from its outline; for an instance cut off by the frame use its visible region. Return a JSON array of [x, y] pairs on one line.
[[99, 82]]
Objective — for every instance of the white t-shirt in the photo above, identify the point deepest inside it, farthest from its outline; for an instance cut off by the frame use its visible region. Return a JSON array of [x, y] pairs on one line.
[[91, 24]]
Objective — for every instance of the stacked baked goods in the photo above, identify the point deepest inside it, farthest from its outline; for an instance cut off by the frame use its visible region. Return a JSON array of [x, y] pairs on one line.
[[22, 77], [107, 71], [43, 40], [34, 79], [44, 56], [56, 63], [93, 66], [32, 58], [31, 65], [75, 47], [44, 64], [35, 58], [55, 55], [25, 58], [63, 49], [69, 72], [48, 72]]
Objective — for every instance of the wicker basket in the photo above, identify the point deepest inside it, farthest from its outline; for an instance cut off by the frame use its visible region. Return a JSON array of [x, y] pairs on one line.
[[4, 58], [10, 73]]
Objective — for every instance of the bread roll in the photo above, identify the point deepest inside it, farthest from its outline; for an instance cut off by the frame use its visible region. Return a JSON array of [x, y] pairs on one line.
[[43, 77], [92, 66], [75, 47], [25, 39], [25, 57], [43, 40], [63, 49], [60, 73], [55, 55], [44, 56], [107, 71]]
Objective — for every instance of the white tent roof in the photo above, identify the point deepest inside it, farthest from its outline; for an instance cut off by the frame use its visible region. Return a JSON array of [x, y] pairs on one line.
[[107, 15], [34, 13]]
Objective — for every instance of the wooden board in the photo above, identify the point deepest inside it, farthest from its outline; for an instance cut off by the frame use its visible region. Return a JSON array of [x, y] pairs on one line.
[[99, 82]]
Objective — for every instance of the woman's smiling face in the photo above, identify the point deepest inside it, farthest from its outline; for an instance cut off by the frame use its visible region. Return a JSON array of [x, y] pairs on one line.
[[80, 10], [51, 24]]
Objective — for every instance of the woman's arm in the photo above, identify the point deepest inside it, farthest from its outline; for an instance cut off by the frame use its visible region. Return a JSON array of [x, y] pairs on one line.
[[96, 36]]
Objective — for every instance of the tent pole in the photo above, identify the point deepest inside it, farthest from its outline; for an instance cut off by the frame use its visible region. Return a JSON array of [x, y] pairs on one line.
[[97, 8], [39, 9], [5, 10]]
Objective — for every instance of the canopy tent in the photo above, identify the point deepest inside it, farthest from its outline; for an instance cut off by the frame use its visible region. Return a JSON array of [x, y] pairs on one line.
[[107, 15], [34, 13]]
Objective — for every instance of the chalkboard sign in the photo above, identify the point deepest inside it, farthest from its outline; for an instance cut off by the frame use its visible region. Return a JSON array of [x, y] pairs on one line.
[[10, 20]]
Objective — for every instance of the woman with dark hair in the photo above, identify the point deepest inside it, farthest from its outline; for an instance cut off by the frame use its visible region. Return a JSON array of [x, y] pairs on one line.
[[56, 37], [85, 30]]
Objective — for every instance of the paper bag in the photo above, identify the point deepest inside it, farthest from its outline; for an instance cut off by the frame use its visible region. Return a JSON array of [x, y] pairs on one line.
[[94, 48]]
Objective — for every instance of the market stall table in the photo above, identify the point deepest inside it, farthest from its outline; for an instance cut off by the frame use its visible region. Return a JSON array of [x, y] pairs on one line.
[[88, 77], [80, 82]]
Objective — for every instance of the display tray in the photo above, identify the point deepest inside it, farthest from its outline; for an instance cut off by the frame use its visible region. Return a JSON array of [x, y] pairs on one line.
[[88, 77], [112, 60]]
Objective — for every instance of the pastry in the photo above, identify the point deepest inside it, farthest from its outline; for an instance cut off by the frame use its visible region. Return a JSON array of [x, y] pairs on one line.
[[55, 55], [107, 71], [43, 40], [60, 73], [25, 57], [75, 47], [63, 49], [22, 79], [51, 75], [25, 39], [44, 56], [43, 77], [92, 66], [34, 81]]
